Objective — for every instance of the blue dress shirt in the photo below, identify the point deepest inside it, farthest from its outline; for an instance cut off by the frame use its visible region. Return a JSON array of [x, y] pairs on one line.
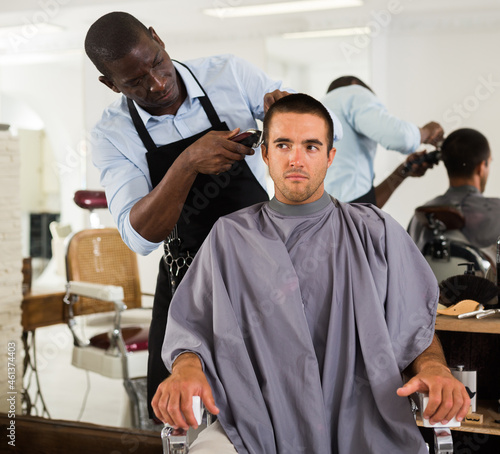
[[365, 123]]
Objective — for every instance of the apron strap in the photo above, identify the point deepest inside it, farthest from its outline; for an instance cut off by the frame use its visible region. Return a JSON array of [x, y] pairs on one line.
[[204, 100], [140, 128]]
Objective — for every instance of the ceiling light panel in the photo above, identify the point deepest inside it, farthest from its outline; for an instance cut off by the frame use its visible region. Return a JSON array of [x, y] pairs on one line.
[[268, 9]]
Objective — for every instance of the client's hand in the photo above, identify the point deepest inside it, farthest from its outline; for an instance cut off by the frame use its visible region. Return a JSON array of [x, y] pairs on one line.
[[447, 396], [173, 400]]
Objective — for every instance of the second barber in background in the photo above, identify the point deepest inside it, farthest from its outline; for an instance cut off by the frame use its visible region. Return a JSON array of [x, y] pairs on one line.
[[367, 123], [164, 151]]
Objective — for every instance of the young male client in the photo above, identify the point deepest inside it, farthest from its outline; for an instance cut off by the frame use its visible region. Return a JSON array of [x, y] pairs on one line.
[[300, 315]]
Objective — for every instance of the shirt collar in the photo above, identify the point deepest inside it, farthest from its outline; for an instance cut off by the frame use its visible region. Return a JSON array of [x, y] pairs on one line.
[[463, 189], [305, 209], [193, 91]]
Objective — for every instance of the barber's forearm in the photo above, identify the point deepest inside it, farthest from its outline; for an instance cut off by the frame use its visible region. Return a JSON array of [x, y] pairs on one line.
[[384, 190], [433, 356], [155, 215]]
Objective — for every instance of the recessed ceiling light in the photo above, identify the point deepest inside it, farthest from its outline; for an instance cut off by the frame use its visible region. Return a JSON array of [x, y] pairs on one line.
[[328, 33], [281, 8], [30, 29]]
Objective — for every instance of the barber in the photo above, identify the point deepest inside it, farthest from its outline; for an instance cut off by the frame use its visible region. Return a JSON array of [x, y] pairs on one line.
[[164, 149], [367, 123]]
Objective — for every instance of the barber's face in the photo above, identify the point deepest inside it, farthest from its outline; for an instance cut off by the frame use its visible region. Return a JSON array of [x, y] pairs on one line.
[[148, 76], [297, 156]]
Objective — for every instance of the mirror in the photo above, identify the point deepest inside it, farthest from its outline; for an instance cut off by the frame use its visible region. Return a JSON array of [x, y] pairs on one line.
[[427, 61]]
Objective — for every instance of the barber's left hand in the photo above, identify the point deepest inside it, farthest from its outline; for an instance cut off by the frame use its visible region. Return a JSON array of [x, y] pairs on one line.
[[271, 98], [447, 396], [431, 133]]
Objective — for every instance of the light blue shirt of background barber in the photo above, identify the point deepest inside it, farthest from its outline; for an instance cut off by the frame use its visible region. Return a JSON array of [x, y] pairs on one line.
[[236, 89], [365, 123]]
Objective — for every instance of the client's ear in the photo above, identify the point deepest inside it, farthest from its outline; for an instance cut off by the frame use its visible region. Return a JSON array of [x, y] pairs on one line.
[[265, 157], [482, 168], [331, 155]]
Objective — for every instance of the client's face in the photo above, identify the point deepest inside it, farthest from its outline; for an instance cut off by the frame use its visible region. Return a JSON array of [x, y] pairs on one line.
[[297, 156]]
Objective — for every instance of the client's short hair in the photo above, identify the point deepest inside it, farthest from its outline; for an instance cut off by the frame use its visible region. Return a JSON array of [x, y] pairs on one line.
[[344, 81], [111, 37], [302, 104], [463, 150]]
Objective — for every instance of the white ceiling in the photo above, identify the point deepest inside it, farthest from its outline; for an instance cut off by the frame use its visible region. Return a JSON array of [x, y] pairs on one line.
[[184, 19]]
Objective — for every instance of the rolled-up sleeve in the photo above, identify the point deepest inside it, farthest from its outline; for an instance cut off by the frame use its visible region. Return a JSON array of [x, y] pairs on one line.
[[368, 116], [125, 184]]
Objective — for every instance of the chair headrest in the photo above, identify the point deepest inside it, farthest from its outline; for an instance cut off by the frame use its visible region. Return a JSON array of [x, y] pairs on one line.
[[450, 216], [90, 200]]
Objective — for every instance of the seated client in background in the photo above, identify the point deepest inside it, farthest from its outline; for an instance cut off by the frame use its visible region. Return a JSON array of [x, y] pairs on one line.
[[467, 157]]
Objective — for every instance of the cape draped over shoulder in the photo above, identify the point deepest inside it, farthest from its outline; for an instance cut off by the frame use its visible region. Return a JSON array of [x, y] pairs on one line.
[[304, 325]]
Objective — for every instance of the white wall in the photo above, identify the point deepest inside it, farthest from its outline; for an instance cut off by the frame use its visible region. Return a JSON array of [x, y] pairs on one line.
[[10, 275], [52, 88]]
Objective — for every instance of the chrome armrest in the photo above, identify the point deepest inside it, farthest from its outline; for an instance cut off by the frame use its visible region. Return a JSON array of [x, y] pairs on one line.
[[176, 441], [102, 292], [443, 441]]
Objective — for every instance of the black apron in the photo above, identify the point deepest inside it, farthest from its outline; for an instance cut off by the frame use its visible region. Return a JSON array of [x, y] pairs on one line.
[[369, 197], [210, 197]]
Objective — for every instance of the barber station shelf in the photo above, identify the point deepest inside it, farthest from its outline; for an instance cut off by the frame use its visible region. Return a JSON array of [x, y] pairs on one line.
[[488, 325], [489, 411]]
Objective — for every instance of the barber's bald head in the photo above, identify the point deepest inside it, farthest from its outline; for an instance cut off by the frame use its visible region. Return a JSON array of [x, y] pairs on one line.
[[112, 37]]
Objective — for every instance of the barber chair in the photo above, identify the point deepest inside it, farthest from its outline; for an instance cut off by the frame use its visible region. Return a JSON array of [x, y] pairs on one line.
[[103, 279], [448, 247]]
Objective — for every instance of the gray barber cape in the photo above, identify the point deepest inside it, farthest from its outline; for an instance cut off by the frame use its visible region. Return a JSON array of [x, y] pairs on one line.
[[304, 318]]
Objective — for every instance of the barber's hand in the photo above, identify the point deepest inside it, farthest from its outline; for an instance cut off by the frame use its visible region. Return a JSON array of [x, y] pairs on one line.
[[215, 153], [417, 168], [432, 133], [447, 396], [271, 98], [173, 400]]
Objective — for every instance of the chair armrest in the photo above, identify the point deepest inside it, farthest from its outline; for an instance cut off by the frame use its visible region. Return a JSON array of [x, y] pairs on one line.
[[443, 441], [176, 440], [111, 293]]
